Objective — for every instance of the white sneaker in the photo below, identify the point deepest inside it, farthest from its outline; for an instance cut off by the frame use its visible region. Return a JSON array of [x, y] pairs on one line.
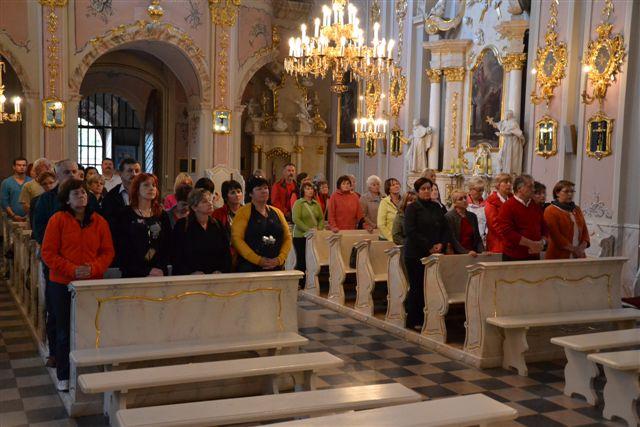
[[63, 385]]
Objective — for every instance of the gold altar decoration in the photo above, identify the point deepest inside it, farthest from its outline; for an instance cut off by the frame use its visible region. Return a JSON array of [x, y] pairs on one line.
[[155, 11], [53, 108], [546, 137], [433, 23], [278, 152], [551, 61], [16, 116], [454, 74], [177, 297], [603, 58], [599, 133], [372, 96], [513, 61], [224, 12], [223, 73], [338, 46], [53, 3], [222, 121], [434, 74], [369, 127], [482, 163], [267, 118]]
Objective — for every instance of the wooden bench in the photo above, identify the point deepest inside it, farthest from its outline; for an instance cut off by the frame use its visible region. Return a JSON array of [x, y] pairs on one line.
[[516, 328], [118, 383], [114, 356], [268, 407], [397, 287], [580, 371], [537, 288], [372, 266], [622, 390], [445, 282], [340, 246], [473, 409]]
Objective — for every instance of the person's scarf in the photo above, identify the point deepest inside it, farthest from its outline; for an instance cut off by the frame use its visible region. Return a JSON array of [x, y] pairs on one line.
[[569, 207]]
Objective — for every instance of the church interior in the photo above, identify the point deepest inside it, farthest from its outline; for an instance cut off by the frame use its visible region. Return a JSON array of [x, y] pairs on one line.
[[461, 96]]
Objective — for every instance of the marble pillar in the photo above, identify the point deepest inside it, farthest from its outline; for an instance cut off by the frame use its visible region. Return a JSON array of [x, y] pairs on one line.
[[34, 144], [204, 150], [454, 94], [513, 64], [435, 76]]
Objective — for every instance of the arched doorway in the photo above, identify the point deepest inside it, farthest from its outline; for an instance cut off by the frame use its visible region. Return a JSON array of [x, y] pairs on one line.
[[12, 134]]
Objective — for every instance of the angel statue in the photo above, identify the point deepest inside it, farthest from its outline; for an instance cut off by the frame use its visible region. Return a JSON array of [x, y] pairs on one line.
[[510, 155]]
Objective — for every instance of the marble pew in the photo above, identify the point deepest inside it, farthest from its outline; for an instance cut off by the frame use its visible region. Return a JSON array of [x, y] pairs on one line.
[[397, 287], [579, 371], [622, 389], [151, 311], [317, 255], [469, 410], [340, 246], [537, 288], [15, 269], [255, 409], [118, 386], [372, 265], [445, 282]]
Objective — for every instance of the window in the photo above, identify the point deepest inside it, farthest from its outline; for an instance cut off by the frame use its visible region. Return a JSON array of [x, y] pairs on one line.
[[90, 145]]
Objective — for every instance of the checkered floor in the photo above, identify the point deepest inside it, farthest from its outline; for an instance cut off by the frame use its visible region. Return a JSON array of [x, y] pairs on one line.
[[28, 397]]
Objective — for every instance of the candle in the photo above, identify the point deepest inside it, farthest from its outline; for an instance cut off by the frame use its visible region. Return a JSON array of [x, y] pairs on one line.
[[303, 29], [326, 16], [291, 46], [390, 47], [352, 13], [381, 48], [341, 17], [335, 13], [16, 104], [2, 101], [316, 30], [376, 28], [343, 42]]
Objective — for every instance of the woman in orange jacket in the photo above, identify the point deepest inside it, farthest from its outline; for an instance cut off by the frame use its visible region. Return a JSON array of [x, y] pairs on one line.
[[568, 233], [85, 252]]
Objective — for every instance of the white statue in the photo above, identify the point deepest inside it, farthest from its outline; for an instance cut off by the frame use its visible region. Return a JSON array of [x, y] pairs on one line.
[[279, 125], [438, 9], [420, 142], [510, 155], [253, 108], [304, 118]]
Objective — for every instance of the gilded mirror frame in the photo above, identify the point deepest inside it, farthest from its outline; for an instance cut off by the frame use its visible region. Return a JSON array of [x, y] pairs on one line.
[[397, 97], [503, 98], [605, 149], [542, 125], [546, 82], [47, 105], [601, 80]]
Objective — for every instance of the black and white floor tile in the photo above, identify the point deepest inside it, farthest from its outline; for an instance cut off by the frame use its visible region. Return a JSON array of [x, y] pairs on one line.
[[28, 396]]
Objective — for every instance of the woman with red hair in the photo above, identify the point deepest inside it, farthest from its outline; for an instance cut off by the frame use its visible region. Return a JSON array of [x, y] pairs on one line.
[[143, 230]]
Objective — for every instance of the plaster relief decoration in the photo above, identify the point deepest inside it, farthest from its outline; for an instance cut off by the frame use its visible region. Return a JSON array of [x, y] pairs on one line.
[[224, 12], [597, 208], [101, 9], [53, 107], [194, 18], [485, 100], [602, 62], [23, 44], [436, 21]]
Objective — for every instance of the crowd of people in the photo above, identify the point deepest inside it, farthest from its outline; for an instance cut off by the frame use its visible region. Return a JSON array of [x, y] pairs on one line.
[[87, 221]]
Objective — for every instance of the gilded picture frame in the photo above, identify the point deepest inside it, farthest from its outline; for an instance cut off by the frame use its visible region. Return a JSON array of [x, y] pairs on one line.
[[222, 121], [486, 99], [395, 141], [53, 113], [546, 137], [599, 136], [603, 60]]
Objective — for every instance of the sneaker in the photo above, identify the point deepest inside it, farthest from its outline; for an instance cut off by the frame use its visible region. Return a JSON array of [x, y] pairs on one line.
[[63, 385], [51, 362]]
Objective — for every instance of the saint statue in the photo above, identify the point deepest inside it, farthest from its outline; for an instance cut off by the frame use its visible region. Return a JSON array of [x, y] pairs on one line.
[[510, 155], [437, 10], [279, 125], [420, 142], [253, 108], [304, 118]]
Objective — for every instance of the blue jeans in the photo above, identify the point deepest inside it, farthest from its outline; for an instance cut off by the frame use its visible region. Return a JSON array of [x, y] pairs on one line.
[[60, 299]]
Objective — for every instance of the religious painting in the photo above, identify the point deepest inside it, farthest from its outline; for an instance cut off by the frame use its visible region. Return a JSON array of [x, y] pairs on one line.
[[485, 101], [599, 133], [546, 137], [396, 142], [347, 112], [222, 121], [53, 113]]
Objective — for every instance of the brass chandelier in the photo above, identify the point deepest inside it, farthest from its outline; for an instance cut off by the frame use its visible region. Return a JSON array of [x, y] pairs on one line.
[[338, 46], [4, 116]]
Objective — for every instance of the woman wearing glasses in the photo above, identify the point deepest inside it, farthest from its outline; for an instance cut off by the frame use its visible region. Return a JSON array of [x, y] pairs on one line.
[[568, 233]]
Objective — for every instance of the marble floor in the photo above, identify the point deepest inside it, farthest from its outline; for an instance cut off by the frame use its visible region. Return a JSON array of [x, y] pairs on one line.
[[28, 397]]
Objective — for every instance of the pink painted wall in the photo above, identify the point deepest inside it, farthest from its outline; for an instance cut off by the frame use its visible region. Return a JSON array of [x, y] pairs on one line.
[[14, 22], [254, 27], [190, 16]]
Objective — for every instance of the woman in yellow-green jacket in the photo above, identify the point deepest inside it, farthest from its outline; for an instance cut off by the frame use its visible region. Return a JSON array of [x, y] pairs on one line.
[[306, 214], [389, 208]]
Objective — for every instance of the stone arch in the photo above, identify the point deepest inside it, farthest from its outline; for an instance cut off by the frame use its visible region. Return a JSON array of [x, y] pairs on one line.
[[129, 35], [252, 67], [17, 68]]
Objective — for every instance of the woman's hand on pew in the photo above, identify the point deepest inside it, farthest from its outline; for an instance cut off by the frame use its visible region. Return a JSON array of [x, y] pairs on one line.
[[156, 272], [473, 253], [83, 271]]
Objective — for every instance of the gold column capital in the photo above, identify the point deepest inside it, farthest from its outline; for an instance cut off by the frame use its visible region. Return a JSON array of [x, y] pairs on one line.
[[434, 74], [514, 61], [454, 74]]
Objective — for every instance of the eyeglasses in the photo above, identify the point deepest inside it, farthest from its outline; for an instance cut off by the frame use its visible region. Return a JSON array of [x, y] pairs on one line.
[[568, 191]]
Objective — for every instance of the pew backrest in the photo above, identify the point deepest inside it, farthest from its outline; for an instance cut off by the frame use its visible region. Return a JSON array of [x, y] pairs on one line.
[[451, 271]]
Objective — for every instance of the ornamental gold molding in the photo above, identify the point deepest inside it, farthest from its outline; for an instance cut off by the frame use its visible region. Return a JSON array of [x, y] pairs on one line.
[[435, 21], [53, 46], [372, 96], [397, 92], [454, 120], [434, 74], [513, 61], [551, 61], [454, 74], [224, 12], [53, 3], [603, 60], [223, 64]]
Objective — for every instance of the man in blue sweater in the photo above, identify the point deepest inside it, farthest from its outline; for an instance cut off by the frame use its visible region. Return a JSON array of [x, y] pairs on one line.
[[11, 188]]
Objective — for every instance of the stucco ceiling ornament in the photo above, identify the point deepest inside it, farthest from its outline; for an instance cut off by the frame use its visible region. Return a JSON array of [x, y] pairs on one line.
[[550, 63], [436, 22]]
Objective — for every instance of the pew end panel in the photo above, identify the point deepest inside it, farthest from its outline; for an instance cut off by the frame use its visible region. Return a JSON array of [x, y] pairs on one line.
[[397, 286], [496, 289], [370, 269], [316, 256], [340, 246]]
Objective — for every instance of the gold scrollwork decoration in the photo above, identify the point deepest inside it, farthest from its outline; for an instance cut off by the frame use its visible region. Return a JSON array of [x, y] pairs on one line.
[[546, 137], [177, 297], [551, 61], [224, 12], [53, 3], [603, 59], [372, 96], [434, 74], [434, 23], [514, 61], [599, 134], [454, 74], [278, 152], [256, 148], [397, 92]]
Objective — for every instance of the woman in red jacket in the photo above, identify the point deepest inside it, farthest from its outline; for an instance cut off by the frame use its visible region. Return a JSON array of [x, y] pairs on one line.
[[85, 252], [492, 208], [344, 207]]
